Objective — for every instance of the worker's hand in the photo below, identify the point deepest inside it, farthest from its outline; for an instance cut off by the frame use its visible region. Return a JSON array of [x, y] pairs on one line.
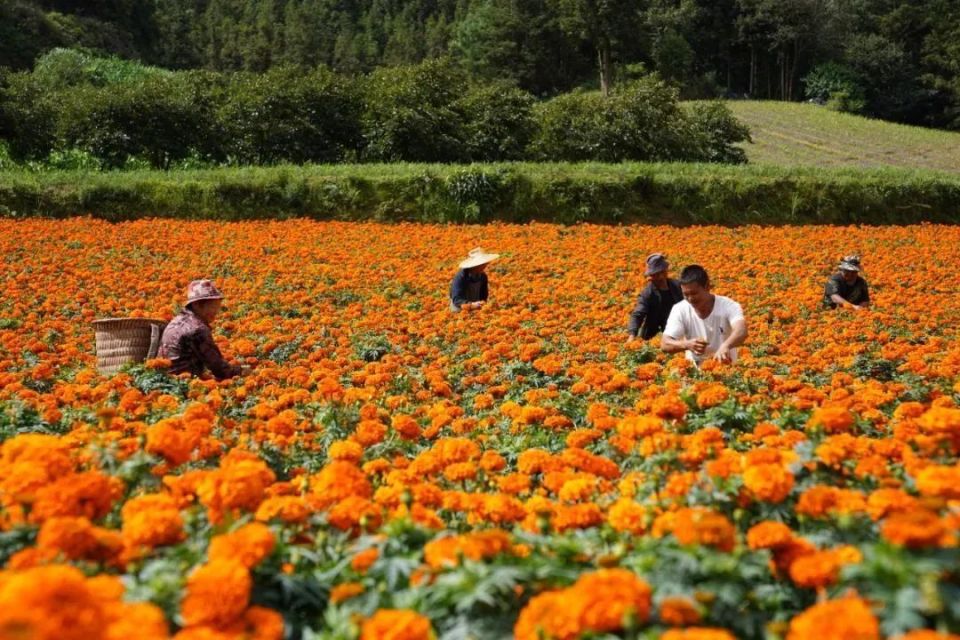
[[858, 308], [477, 305], [246, 370], [698, 346], [631, 339], [722, 355]]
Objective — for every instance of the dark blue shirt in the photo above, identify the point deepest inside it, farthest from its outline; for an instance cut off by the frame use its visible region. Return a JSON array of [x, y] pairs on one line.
[[468, 287]]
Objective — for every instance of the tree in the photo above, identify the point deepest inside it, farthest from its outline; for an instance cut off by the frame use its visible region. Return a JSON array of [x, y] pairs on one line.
[[605, 24]]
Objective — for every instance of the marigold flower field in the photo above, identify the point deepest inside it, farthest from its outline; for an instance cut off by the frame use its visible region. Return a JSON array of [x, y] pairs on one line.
[[392, 470]]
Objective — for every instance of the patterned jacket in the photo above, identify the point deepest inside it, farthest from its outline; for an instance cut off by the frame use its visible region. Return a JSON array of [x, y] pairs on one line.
[[188, 343]]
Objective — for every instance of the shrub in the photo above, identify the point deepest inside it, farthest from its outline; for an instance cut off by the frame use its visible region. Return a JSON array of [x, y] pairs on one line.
[[27, 117], [63, 68], [162, 120], [835, 85], [290, 115], [640, 120], [718, 131], [410, 114], [499, 122]]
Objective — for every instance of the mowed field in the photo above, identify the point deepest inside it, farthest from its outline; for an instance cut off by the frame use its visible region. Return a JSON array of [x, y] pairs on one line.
[[799, 134], [390, 470]]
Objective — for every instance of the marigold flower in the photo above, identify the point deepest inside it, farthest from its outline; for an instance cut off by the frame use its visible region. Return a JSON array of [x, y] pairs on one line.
[[768, 482], [49, 603], [151, 520], [396, 624], [916, 529], [249, 545], [679, 611], [769, 535], [844, 619], [217, 593], [697, 633]]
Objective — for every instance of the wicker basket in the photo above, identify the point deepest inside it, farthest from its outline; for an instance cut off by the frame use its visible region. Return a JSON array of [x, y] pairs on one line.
[[124, 340]]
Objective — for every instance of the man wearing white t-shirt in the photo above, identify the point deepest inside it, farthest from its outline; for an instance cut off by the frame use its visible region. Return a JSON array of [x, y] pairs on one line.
[[703, 324]]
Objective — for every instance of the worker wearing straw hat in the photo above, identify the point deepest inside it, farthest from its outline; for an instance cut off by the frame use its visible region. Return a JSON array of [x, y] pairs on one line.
[[470, 288], [188, 341], [847, 288], [656, 300]]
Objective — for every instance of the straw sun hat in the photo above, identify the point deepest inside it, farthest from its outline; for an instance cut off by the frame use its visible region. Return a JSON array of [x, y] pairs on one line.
[[477, 257]]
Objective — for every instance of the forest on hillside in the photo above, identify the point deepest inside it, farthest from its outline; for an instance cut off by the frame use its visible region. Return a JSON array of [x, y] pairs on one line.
[[894, 59]]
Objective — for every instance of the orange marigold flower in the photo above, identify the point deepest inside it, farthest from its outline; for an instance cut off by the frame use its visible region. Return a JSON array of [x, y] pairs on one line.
[[697, 633], [77, 539], [345, 591], [916, 529], [364, 559], [151, 520], [768, 482], [289, 509], [217, 593], [396, 624], [669, 406], [679, 611], [844, 619], [626, 515], [49, 603], [699, 525], [336, 481], [90, 494], [249, 544], [768, 535], [354, 513], [940, 482], [820, 569], [832, 419], [346, 450], [712, 395]]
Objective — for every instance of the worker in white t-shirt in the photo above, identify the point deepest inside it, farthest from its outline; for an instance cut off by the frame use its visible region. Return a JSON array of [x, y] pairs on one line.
[[703, 324]]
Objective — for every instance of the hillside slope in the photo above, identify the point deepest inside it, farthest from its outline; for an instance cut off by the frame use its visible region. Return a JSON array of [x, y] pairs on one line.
[[798, 134]]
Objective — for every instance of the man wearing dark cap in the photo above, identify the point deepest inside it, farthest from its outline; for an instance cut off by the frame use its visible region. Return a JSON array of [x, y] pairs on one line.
[[656, 300], [847, 288]]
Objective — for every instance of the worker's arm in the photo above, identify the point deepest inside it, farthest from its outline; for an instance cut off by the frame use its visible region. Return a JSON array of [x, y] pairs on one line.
[[675, 345], [213, 359], [638, 315], [738, 335]]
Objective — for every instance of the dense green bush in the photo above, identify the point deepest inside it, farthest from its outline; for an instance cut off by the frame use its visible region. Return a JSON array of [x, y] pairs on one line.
[[28, 117], [120, 112], [640, 120], [718, 132], [162, 120], [410, 113], [290, 115], [498, 122], [836, 85]]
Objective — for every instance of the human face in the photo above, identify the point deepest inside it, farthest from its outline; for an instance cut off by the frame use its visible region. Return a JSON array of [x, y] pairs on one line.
[[480, 268], [849, 276], [697, 295], [659, 279], [207, 310]]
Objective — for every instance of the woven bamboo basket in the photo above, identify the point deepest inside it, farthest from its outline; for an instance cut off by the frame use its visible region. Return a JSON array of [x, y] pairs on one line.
[[124, 340]]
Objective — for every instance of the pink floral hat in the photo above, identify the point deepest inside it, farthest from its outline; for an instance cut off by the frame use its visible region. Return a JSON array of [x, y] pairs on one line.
[[202, 290]]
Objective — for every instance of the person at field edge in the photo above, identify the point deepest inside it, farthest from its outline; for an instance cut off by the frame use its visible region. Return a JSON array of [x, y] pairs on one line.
[[656, 300], [188, 341], [704, 325], [470, 287], [847, 288]]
